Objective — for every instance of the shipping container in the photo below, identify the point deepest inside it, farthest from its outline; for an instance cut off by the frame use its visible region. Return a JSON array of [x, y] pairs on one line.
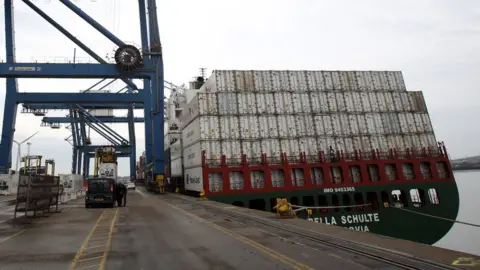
[[268, 126], [301, 81], [201, 128], [229, 127], [282, 103], [265, 104], [170, 138], [176, 168], [202, 104], [192, 155], [194, 179], [176, 150], [249, 127], [252, 149], [227, 103], [247, 103]]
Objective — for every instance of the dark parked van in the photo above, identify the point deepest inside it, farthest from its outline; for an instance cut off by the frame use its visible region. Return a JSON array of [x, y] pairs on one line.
[[100, 191]]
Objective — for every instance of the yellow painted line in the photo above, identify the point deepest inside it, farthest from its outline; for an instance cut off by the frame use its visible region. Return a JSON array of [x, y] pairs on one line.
[[89, 259], [11, 236], [85, 243], [334, 255], [107, 218], [463, 261], [87, 267], [94, 247], [99, 238], [273, 254], [109, 242]]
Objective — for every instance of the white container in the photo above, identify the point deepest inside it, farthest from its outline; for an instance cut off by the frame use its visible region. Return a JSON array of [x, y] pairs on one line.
[[291, 147], [220, 81], [283, 102], [170, 138], [427, 124], [192, 155], [385, 101], [268, 126], [298, 81], [286, 126], [252, 148], [417, 101], [365, 81], [309, 145], [231, 149], [301, 125], [108, 170], [315, 81], [176, 150], [280, 80], [265, 103], [271, 147], [244, 81], [194, 179], [374, 124], [201, 104], [229, 127], [247, 103], [391, 123], [249, 127], [201, 128], [318, 102], [227, 103], [395, 80], [301, 103], [262, 81], [407, 123], [176, 169]]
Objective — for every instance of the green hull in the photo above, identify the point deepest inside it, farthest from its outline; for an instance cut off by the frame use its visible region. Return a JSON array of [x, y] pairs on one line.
[[423, 223]]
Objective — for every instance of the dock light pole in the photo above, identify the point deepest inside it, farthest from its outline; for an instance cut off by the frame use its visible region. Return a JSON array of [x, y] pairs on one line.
[[19, 145]]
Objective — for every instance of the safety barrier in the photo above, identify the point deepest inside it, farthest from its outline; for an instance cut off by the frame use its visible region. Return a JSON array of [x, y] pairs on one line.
[[37, 193]]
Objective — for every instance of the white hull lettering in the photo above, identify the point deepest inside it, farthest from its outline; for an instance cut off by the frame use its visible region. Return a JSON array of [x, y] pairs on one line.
[[342, 189], [353, 222], [362, 218], [361, 228]]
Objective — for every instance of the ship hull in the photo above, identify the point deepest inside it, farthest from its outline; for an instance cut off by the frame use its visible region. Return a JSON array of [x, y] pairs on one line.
[[424, 222]]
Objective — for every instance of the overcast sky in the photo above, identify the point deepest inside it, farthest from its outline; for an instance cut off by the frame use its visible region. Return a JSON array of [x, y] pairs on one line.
[[435, 43]]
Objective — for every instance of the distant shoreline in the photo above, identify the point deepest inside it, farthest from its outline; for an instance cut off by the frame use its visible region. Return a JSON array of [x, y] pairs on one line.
[[465, 167]]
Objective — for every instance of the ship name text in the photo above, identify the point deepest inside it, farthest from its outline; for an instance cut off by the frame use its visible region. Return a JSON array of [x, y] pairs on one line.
[[342, 189], [353, 222]]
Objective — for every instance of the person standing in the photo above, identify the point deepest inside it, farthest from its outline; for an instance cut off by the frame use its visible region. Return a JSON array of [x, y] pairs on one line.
[[120, 193]]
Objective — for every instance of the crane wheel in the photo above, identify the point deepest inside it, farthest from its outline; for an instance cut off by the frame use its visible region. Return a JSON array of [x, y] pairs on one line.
[[128, 58]]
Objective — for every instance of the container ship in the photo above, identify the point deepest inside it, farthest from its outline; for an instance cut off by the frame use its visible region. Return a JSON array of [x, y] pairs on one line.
[[355, 147]]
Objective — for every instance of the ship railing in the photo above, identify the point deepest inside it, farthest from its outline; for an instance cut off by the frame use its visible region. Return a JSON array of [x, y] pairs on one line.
[[330, 156]]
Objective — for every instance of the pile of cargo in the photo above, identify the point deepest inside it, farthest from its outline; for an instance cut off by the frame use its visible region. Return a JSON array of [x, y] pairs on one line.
[[253, 112], [72, 187], [141, 163]]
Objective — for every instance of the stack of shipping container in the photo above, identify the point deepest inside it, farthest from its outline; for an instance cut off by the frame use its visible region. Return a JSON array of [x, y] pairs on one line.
[[274, 112], [140, 167]]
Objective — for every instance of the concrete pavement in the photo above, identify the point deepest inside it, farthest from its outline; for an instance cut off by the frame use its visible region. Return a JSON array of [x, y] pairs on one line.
[[151, 233]]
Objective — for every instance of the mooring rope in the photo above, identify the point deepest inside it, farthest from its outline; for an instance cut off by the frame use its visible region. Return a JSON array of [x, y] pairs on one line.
[[437, 217]]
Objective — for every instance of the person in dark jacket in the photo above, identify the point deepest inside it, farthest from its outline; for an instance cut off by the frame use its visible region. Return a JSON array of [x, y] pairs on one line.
[[121, 194]]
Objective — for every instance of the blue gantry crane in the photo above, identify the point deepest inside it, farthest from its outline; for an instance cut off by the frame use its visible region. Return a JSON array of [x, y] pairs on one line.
[[130, 63]]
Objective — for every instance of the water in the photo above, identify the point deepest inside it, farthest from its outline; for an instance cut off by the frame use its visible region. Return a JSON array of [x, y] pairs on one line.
[[463, 237]]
